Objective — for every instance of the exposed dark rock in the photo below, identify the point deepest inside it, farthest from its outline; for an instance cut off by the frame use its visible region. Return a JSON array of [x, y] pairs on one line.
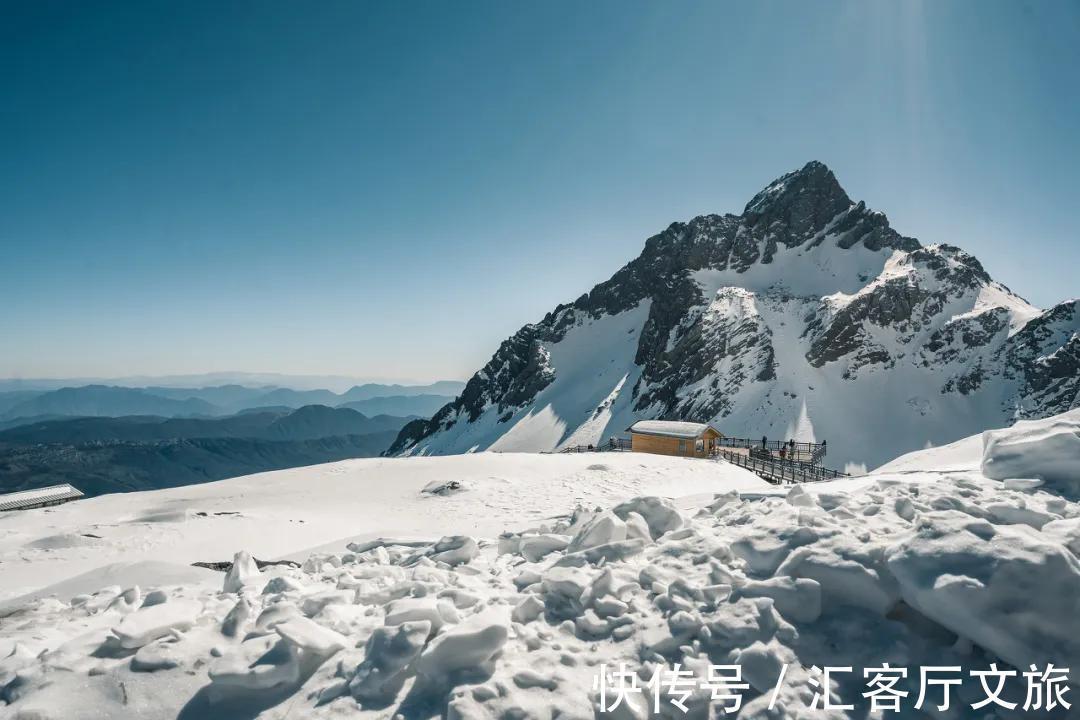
[[226, 565], [1045, 357], [908, 303]]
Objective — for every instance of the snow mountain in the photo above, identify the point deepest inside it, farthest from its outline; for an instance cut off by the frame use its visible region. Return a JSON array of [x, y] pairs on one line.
[[807, 316]]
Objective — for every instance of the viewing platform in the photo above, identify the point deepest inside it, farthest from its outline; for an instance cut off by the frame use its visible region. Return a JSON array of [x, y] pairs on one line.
[[777, 471], [786, 450], [776, 461]]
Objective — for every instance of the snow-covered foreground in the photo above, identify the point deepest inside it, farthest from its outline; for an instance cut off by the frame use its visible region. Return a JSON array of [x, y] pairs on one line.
[[433, 613], [286, 512]]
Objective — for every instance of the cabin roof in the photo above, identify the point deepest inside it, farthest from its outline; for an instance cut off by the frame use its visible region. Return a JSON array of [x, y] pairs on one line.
[[671, 428], [27, 498]]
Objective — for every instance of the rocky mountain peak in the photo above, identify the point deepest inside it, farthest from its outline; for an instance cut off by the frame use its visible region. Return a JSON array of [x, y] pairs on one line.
[[809, 194], [783, 319], [801, 209]]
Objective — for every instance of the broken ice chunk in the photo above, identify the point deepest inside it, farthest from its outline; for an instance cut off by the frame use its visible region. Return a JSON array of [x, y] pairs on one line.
[[243, 572], [465, 646], [310, 636], [455, 550], [388, 660], [603, 529], [148, 624], [535, 547]]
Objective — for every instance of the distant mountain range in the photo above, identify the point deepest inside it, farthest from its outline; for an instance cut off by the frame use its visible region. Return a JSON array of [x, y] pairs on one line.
[[108, 467], [221, 400], [307, 423], [336, 383], [101, 400], [419, 405], [105, 454], [114, 438]]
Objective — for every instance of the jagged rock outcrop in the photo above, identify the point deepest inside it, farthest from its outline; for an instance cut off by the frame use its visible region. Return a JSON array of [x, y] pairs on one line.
[[779, 322], [1045, 355]]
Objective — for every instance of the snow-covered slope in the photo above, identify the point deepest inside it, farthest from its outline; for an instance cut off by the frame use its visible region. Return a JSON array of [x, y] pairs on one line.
[[1047, 450], [288, 511], [802, 317], [963, 454], [913, 569]]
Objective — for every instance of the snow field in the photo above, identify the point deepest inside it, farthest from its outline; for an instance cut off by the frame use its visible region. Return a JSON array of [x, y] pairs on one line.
[[287, 512], [918, 568]]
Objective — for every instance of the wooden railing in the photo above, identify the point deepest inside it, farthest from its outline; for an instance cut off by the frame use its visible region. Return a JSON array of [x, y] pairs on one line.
[[801, 451], [612, 445], [780, 472]]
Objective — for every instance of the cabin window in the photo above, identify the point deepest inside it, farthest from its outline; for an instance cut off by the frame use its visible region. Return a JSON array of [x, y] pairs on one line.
[[699, 446], [682, 447]]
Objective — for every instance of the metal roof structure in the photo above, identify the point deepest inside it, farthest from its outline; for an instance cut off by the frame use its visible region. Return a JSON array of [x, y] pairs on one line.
[[671, 428], [27, 499]]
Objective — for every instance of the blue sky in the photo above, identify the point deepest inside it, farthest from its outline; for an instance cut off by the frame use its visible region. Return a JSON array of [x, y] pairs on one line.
[[390, 189]]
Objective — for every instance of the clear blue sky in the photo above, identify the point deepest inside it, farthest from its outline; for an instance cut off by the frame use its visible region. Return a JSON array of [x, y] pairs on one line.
[[388, 189]]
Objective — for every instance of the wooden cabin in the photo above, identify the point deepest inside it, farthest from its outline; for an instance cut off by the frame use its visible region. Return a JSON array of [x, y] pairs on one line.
[[670, 437]]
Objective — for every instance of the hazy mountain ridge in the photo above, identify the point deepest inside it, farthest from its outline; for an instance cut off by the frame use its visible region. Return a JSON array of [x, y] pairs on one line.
[[781, 321], [305, 423], [253, 380], [119, 466], [117, 401], [103, 454], [421, 405], [98, 400]]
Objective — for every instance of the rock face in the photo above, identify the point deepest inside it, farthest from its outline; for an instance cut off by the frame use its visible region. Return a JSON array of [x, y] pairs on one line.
[[780, 321]]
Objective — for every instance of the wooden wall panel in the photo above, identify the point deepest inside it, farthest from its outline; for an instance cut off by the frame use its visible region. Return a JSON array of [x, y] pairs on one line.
[[659, 445]]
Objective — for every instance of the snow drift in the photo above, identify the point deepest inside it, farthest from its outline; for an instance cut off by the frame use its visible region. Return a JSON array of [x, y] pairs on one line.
[[1045, 449]]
